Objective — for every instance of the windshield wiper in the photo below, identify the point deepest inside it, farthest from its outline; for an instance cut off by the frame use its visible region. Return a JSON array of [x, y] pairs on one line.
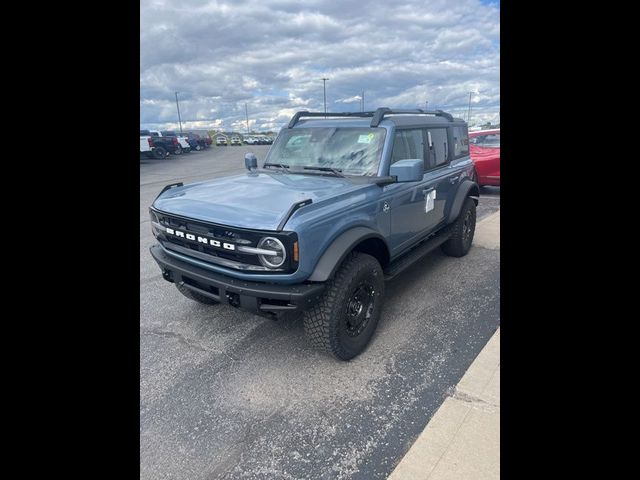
[[335, 171], [281, 165]]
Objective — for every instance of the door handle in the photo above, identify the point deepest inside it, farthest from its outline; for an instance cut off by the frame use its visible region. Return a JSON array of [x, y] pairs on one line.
[[454, 179]]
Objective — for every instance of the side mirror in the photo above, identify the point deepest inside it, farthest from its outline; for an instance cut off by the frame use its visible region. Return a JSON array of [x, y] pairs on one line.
[[250, 161], [407, 170]]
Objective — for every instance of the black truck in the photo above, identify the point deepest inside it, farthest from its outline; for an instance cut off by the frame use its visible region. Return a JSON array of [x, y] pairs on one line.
[[160, 145]]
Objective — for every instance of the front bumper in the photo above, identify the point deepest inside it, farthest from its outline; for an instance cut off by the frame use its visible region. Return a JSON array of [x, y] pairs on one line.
[[259, 298]]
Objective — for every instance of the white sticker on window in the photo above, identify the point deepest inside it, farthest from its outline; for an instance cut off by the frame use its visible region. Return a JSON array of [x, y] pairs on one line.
[[365, 138], [430, 201]]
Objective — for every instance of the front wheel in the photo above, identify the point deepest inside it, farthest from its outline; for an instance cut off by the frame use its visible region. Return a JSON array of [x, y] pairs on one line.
[[345, 317], [464, 227]]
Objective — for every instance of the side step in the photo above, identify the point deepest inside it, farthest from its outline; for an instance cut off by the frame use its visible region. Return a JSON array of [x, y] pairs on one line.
[[412, 256]]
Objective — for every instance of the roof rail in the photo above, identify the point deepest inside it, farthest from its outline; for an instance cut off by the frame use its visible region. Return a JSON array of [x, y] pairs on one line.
[[378, 115], [304, 113], [382, 111]]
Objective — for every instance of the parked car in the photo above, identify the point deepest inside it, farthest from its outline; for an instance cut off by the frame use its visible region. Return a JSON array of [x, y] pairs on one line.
[[249, 140], [221, 141], [182, 139], [168, 142], [146, 144], [235, 141], [204, 135], [196, 141], [485, 153], [160, 146], [340, 205]]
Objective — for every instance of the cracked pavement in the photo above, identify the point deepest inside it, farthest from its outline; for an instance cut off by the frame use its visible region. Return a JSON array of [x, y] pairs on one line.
[[225, 394]]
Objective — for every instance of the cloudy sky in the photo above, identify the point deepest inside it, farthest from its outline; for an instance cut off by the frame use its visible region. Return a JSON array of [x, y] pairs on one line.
[[272, 54]]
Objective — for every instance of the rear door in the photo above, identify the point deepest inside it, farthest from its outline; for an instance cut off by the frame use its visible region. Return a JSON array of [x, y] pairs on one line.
[[439, 180]]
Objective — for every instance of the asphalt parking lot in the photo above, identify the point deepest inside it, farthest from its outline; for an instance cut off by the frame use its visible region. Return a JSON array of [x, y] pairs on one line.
[[226, 394]]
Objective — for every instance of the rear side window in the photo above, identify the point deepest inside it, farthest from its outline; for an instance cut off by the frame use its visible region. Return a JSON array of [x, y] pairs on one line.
[[408, 144], [460, 142], [437, 146]]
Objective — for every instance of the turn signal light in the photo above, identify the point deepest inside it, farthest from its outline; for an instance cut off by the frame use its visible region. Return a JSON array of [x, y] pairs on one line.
[[295, 251]]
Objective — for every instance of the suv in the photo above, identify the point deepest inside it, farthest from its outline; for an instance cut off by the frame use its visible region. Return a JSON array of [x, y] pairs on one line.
[[236, 141], [340, 205], [220, 140]]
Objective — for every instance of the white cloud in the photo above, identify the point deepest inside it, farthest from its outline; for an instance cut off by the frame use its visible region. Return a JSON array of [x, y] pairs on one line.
[[271, 54]]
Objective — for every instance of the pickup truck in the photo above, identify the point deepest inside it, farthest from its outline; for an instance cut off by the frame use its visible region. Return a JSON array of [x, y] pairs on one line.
[[339, 205], [183, 140], [151, 148], [162, 146]]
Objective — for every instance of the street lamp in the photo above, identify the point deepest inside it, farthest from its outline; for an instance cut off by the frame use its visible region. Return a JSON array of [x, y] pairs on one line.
[[324, 89], [179, 119], [469, 111]]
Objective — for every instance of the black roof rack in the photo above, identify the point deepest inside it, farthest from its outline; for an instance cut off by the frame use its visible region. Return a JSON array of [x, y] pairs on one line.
[[378, 115], [299, 115], [382, 111]]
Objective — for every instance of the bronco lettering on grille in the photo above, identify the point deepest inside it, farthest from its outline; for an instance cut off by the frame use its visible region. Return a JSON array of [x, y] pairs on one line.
[[206, 241]]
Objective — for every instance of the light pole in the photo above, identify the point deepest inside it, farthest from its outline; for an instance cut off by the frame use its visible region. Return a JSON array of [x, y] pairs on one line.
[[324, 89], [469, 111], [179, 119], [363, 100], [246, 112]]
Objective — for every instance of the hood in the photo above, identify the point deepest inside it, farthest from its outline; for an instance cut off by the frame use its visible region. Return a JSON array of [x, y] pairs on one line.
[[257, 201]]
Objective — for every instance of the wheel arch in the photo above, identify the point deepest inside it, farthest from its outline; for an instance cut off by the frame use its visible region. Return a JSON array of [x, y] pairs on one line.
[[359, 239], [466, 189]]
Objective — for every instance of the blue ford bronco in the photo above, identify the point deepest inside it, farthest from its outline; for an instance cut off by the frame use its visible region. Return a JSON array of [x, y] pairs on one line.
[[343, 202]]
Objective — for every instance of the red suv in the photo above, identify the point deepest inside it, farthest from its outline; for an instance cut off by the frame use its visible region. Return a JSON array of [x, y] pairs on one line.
[[485, 153]]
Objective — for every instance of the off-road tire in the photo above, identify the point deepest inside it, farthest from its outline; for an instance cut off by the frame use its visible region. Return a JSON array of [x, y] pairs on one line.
[[463, 229], [160, 153], [191, 295], [326, 323], [178, 150]]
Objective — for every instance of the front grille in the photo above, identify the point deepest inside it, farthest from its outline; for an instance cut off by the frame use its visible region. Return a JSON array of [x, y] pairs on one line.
[[224, 235]]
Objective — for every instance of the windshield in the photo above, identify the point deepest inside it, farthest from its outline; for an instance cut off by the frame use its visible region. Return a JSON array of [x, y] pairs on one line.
[[490, 140], [352, 151]]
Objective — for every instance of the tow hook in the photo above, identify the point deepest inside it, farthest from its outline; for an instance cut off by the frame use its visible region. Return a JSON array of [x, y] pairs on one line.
[[234, 299]]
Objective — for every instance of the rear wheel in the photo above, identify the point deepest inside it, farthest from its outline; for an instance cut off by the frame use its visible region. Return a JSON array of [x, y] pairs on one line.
[[344, 319], [178, 150], [463, 229], [160, 153], [190, 294]]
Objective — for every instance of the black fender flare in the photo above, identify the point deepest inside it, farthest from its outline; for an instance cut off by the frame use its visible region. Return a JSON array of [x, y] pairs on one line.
[[339, 249], [467, 188]]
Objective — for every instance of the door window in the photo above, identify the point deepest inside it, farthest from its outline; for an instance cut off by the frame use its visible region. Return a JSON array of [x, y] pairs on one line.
[[437, 146], [407, 144]]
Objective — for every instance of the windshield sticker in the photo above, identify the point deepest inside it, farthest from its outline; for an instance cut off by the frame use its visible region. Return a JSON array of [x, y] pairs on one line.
[[365, 138]]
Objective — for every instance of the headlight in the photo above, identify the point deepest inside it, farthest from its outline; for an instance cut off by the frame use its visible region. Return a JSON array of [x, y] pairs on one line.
[[279, 255]]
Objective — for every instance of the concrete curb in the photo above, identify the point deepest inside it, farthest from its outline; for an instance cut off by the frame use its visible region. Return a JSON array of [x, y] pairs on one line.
[[462, 440]]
